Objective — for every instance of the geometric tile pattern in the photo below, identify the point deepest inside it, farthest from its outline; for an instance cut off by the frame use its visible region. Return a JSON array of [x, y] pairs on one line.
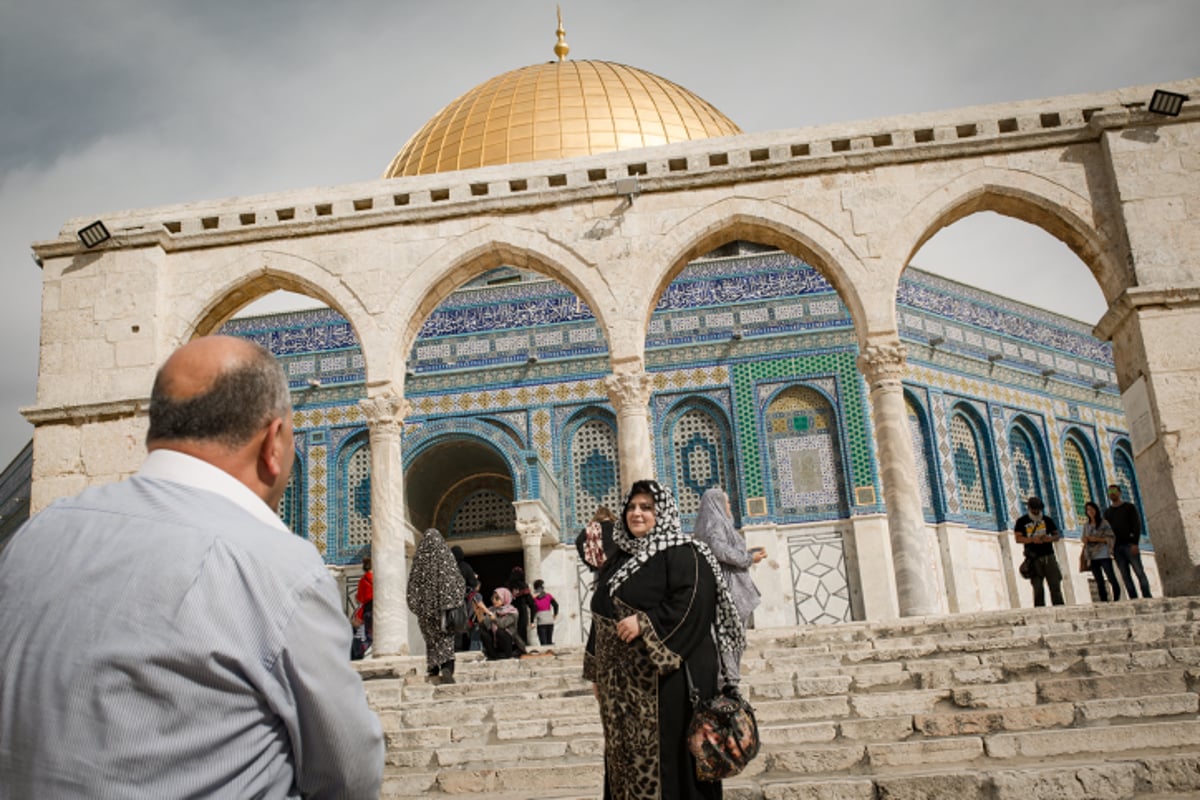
[[484, 511], [700, 448], [1078, 477], [806, 467], [356, 477], [291, 505], [937, 406], [318, 500], [969, 469], [795, 332], [1027, 475], [916, 430], [819, 581], [840, 367], [596, 471], [1000, 448]]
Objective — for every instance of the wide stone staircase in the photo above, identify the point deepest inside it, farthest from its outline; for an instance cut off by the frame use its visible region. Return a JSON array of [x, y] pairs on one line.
[[1080, 702]]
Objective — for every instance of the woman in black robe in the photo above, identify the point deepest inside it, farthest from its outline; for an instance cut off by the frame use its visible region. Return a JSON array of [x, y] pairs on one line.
[[658, 602]]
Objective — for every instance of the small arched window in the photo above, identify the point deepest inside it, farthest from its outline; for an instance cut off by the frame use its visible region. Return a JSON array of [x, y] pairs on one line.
[[355, 516], [595, 470], [700, 457], [969, 470], [807, 475], [1080, 472]]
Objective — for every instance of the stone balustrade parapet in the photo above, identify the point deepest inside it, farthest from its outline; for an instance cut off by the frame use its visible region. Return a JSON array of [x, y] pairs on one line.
[[674, 167]]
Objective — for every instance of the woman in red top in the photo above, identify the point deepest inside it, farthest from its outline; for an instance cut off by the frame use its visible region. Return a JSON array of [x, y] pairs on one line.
[[365, 596]]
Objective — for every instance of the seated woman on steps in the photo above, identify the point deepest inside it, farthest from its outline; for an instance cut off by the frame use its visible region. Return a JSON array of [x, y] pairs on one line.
[[498, 627]]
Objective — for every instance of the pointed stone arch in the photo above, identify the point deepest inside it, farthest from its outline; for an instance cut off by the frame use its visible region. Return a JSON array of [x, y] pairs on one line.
[[766, 222], [468, 256], [237, 284], [1072, 218]]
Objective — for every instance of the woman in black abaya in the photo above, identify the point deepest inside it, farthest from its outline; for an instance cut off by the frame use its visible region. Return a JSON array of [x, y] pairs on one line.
[[657, 604]]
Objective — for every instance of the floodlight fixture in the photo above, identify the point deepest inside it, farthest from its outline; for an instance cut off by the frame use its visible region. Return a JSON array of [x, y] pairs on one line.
[[736, 334], [934, 341], [627, 187], [1098, 385], [314, 383], [94, 234], [1169, 104], [1048, 372], [994, 357], [533, 359]]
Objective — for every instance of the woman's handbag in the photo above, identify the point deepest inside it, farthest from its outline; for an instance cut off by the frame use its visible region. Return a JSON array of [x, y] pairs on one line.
[[454, 620], [723, 734], [1085, 563]]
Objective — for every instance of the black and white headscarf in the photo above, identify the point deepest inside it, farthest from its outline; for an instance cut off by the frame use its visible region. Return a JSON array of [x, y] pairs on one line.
[[667, 532]]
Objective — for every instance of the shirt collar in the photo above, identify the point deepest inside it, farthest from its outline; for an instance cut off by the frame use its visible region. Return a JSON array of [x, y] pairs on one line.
[[177, 467]]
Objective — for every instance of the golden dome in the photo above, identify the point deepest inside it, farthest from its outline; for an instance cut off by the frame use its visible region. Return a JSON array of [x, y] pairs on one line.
[[558, 110]]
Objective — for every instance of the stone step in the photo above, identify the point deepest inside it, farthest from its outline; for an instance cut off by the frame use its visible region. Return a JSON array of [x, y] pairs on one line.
[[1143, 778], [1063, 702]]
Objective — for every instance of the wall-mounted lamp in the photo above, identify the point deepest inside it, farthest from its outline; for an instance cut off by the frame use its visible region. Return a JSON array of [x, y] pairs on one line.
[[93, 234], [314, 383], [994, 357], [36, 259], [1098, 385], [736, 335], [1048, 372], [934, 341], [1169, 104], [629, 188], [408, 373]]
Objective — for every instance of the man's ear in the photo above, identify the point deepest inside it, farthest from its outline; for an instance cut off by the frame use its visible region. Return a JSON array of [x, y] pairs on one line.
[[270, 452]]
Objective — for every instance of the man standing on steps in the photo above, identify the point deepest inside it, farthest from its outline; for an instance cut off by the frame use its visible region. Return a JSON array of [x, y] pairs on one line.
[[189, 645], [1126, 523], [1038, 532]]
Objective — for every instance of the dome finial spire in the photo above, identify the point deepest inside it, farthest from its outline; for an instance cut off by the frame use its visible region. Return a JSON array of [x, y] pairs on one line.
[[561, 48]]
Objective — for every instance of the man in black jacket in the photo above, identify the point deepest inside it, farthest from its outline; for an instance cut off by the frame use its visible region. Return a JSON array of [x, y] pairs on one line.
[[1038, 532], [1126, 523]]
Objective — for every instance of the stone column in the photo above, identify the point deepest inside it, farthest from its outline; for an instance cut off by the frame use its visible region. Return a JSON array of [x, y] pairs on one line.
[[1154, 331], [537, 529], [883, 367], [385, 417], [629, 393]]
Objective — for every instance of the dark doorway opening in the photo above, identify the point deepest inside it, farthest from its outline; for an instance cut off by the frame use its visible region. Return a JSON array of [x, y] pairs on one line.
[[493, 569]]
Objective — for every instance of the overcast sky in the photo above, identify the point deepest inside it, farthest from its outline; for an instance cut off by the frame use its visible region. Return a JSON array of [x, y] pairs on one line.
[[116, 104]]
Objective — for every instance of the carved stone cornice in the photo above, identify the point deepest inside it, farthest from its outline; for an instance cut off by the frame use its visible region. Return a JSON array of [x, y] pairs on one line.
[[385, 412], [629, 392], [883, 363], [1138, 297]]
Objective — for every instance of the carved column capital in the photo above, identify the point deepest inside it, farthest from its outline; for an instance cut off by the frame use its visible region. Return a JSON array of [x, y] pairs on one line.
[[385, 412], [531, 530], [882, 363], [629, 392]]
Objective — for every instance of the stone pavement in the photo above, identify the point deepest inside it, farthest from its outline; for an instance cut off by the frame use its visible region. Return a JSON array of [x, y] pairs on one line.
[[1092, 702]]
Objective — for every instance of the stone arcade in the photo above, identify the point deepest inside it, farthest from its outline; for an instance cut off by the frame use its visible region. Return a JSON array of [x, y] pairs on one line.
[[616, 220]]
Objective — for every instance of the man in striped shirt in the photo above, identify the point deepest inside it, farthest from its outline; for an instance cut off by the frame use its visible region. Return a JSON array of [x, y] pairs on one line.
[[184, 642]]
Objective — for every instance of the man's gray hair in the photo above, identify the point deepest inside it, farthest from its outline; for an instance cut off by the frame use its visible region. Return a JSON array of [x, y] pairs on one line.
[[240, 402]]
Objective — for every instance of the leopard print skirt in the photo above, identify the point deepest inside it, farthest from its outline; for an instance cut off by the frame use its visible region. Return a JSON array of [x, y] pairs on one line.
[[628, 690]]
